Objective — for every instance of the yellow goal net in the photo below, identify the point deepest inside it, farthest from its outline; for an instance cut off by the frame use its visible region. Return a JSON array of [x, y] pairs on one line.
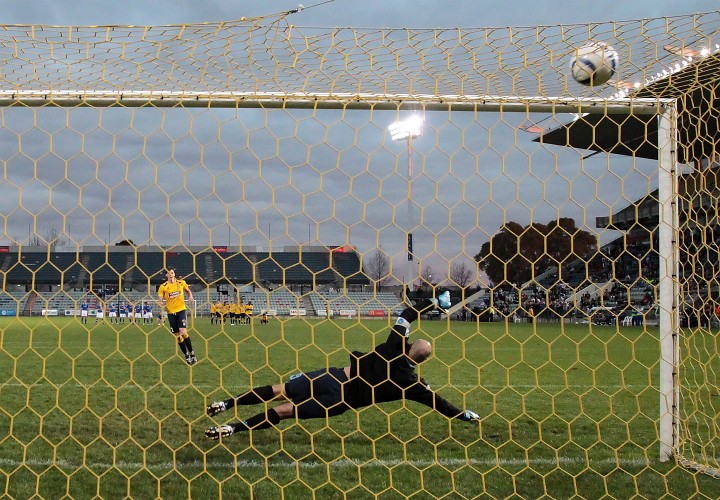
[[559, 181]]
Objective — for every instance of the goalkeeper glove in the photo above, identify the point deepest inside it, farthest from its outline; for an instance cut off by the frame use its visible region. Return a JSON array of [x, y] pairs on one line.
[[469, 416]]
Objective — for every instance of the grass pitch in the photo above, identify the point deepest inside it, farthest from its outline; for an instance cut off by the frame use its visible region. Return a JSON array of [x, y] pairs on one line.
[[112, 410]]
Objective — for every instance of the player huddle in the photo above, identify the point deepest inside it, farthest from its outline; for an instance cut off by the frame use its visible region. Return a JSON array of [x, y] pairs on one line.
[[235, 314]]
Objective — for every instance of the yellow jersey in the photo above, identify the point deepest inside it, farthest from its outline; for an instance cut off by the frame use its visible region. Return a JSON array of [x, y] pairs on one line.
[[174, 295]]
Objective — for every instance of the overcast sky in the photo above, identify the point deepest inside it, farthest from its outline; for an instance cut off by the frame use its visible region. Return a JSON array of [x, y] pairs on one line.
[[278, 177], [368, 13]]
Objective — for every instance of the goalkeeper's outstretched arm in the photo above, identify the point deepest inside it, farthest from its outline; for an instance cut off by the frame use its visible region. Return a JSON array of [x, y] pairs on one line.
[[421, 393]]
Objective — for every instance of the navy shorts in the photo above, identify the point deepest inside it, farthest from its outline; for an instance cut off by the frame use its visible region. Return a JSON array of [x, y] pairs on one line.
[[177, 320], [317, 394]]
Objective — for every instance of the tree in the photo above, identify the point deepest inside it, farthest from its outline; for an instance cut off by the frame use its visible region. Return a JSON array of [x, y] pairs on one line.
[[377, 268], [52, 239], [426, 277], [125, 243], [517, 254], [460, 274]]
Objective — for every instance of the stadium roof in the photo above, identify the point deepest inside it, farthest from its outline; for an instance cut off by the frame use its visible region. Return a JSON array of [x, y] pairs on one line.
[[693, 84], [115, 265], [693, 188]]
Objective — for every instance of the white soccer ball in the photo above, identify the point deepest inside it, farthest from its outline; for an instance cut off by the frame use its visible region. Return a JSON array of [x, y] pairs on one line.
[[594, 64]]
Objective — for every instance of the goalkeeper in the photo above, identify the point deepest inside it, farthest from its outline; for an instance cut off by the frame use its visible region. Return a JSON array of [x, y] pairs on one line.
[[385, 374]]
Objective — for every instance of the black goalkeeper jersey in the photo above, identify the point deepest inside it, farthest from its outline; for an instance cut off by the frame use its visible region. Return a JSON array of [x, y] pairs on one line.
[[388, 374]]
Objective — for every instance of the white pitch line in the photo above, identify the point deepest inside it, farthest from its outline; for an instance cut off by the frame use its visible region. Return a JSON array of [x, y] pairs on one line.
[[335, 464], [545, 387]]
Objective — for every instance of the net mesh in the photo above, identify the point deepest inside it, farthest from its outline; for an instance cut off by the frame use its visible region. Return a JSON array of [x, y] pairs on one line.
[[272, 56], [254, 157]]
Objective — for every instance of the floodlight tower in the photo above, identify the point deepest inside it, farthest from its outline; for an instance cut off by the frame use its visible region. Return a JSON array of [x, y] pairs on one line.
[[407, 130]]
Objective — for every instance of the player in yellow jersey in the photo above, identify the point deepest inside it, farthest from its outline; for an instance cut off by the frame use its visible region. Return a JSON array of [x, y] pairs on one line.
[[241, 313], [225, 312], [218, 312], [239, 308], [249, 312], [172, 296], [213, 312]]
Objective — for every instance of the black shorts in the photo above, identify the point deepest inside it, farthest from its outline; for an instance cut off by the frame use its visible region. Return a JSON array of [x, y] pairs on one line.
[[317, 394], [177, 320]]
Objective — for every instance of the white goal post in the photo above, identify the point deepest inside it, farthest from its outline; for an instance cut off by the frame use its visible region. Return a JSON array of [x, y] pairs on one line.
[[669, 311]]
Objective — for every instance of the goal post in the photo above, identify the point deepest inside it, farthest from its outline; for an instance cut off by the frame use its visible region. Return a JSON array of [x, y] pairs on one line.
[[668, 233], [327, 101]]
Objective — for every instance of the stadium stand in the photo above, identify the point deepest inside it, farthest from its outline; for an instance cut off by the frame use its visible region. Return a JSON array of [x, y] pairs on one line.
[[280, 281], [365, 303], [295, 279]]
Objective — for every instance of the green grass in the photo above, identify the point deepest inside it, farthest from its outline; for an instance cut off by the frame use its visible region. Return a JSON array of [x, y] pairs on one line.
[[113, 411]]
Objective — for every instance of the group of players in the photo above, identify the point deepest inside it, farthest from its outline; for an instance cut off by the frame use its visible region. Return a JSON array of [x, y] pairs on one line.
[[220, 312], [118, 313], [235, 314]]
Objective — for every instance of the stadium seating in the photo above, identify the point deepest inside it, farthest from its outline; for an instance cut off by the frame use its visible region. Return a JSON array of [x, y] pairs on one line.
[[73, 275]]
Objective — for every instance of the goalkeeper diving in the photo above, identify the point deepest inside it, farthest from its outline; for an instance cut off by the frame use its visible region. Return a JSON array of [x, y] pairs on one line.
[[385, 374]]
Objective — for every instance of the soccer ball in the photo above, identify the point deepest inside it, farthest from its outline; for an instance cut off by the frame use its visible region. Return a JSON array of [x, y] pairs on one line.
[[594, 64]]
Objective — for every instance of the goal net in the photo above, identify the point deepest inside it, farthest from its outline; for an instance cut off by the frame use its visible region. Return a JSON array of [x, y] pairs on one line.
[[575, 226]]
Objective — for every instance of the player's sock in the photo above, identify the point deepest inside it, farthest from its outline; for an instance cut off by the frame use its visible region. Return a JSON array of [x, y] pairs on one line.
[[183, 347], [257, 422], [188, 345], [255, 396]]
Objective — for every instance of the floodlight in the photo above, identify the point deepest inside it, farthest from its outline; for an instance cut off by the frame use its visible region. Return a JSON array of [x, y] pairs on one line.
[[410, 127]]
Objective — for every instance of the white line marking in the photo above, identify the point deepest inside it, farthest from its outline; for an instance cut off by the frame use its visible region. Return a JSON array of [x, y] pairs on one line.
[[438, 387], [338, 464]]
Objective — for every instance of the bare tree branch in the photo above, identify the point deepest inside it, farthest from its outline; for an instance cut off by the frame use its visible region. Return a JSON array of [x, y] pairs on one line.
[[460, 274], [377, 268], [426, 277], [52, 239]]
